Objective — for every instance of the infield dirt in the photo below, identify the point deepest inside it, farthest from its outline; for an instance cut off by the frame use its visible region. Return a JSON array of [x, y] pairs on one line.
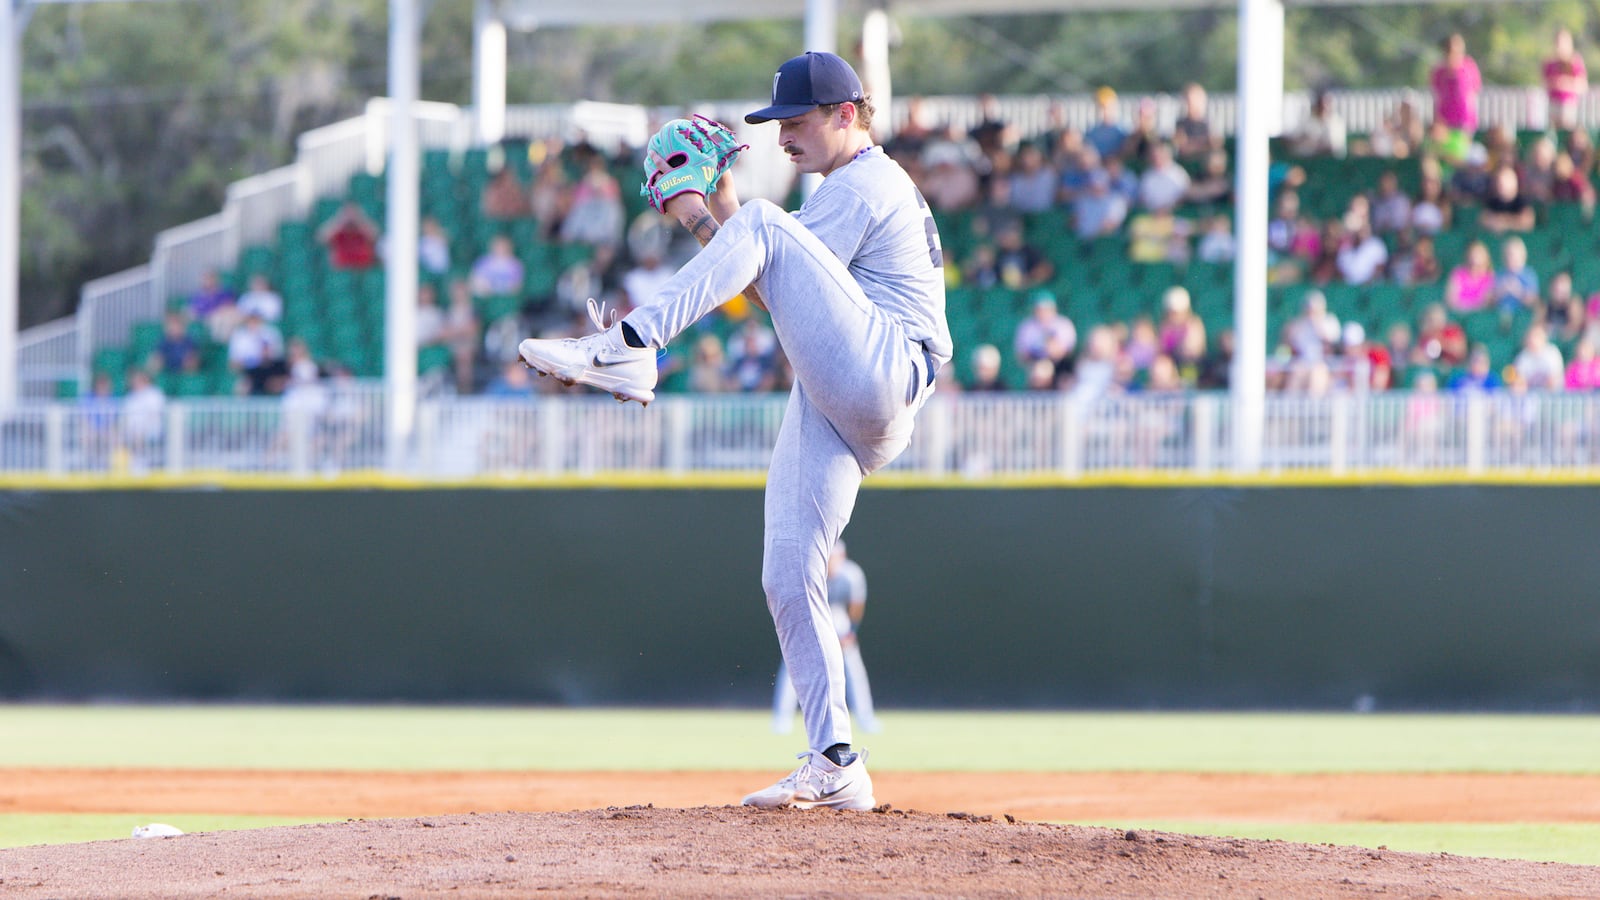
[[653, 835], [737, 852], [1036, 796]]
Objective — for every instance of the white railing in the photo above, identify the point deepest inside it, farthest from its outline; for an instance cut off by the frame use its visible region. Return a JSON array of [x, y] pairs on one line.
[[110, 306], [46, 356], [439, 125], [259, 204], [307, 433], [184, 254], [462, 437], [329, 429], [331, 154]]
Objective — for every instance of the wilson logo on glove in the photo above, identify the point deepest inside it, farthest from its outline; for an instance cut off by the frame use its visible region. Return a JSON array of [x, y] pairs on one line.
[[687, 155]]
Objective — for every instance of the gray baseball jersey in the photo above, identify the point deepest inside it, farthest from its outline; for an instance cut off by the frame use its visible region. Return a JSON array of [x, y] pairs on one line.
[[871, 215]]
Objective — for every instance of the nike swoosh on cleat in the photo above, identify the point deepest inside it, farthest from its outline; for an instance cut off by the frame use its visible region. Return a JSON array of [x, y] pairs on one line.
[[598, 364]]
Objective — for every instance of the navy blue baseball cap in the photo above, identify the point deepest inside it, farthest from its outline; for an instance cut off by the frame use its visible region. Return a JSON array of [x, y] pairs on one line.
[[806, 82]]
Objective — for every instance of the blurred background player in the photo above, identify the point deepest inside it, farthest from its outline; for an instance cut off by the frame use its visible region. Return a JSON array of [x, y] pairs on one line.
[[847, 594]]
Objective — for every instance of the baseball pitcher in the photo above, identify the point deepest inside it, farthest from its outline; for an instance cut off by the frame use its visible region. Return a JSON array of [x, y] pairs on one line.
[[855, 286]]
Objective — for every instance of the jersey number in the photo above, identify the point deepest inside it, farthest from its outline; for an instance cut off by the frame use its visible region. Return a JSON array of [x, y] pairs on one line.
[[934, 252]]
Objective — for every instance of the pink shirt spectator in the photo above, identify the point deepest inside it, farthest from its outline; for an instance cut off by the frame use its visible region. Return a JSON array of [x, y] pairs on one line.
[[1455, 94], [1553, 71], [1583, 374], [1306, 243], [1472, 289]]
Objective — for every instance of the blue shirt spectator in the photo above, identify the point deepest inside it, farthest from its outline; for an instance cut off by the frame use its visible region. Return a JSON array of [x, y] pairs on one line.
[[1077, 173], [1478, 375], [1107, 136], [176, 351], [1098, 210], [498, 273], [1516, 285]]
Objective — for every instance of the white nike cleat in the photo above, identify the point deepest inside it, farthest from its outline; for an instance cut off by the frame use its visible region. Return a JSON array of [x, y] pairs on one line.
[[601, 360], [818, 782]]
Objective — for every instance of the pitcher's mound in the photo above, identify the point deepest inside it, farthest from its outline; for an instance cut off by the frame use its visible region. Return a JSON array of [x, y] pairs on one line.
[[733, 851]]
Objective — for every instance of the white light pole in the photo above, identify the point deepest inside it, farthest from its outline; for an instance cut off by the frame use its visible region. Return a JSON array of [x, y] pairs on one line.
[[1260, 93], [400, 306], [489, 72], [13, 18]]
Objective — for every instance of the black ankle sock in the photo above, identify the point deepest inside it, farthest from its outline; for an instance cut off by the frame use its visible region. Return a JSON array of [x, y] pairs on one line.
[[839, 754], [631, 337]]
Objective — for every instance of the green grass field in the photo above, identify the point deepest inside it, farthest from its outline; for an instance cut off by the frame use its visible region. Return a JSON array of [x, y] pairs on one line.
[[466, 738]]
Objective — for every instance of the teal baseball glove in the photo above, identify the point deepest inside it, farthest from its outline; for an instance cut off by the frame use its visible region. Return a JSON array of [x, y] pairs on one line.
[[687, 155]]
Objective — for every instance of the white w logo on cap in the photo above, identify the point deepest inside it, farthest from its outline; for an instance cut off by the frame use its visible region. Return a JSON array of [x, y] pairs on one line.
[[775, 77]]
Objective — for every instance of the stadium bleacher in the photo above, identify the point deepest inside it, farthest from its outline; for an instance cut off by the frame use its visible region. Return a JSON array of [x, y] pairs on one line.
[[340, 314]]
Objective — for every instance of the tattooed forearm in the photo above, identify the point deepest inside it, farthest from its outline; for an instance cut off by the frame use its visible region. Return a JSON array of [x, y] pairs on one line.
[[702, 225]]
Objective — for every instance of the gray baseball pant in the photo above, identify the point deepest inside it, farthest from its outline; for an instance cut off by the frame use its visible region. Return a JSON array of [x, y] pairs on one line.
[[857, 692], [859, 381]]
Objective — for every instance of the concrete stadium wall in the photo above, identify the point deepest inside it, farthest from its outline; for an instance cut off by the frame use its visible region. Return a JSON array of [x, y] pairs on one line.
[[1471, 597]]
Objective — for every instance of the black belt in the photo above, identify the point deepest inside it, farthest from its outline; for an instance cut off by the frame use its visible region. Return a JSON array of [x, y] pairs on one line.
[[930, 362]]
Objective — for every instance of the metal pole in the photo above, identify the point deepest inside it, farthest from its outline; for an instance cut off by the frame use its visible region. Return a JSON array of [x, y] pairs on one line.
[[1260, 54], [400, 335], [822, 34], [875, 70], [822, 25], [489, 72], [12, 22]]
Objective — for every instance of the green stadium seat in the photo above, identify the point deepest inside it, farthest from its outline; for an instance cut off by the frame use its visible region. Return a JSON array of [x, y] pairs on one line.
[[436, 162], [1425, 294], [1080, 306], [111, 361], [324, 210], [340, 284], [1568, 218], [433, 358], [213, 355], [1482, 327], [143, 338], [365, 187], [1216, 300], [192, 384], [1384, 300], [1586, 273], [296, 234], [569, 255], [222, 381], [494, 308]]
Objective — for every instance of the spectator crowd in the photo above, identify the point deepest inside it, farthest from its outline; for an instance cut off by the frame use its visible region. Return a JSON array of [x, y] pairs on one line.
[[1452, 252], [1447, 264]]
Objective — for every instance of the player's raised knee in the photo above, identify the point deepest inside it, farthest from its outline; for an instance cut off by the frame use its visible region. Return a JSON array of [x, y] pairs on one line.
[[760, 210]]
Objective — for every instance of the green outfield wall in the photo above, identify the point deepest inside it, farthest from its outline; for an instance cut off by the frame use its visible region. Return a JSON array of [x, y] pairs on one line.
[[1476, 597]]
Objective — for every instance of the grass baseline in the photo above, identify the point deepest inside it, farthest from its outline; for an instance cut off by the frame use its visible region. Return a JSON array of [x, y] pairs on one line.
[[396, 738]]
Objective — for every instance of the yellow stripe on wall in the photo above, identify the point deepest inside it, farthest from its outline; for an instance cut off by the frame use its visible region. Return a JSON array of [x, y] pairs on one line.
[[744, 480]]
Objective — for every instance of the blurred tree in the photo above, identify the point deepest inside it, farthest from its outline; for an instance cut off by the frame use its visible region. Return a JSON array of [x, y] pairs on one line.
[[138, 116]]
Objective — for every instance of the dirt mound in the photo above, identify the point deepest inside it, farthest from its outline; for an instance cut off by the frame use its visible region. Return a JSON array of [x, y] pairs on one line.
[[733, 851]]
